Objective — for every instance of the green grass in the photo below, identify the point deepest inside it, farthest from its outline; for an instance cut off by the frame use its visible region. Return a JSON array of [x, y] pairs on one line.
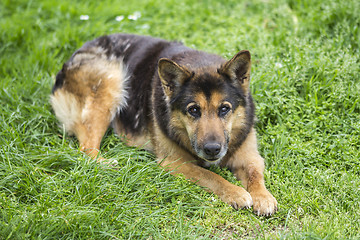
[[305, 81]]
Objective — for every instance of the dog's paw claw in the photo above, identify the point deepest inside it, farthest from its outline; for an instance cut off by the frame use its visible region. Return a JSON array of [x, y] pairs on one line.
[[264, 203], [238, 198], [234, 205]]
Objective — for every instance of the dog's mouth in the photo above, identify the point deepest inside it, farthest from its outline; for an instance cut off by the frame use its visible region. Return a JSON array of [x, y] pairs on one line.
[[212, 159]]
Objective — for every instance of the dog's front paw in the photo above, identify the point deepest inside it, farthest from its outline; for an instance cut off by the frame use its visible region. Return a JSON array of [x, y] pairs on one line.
[[264, 203], [237, 197]]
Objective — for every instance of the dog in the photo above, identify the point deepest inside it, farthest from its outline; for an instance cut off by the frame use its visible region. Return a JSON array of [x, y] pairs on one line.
[[192, 109]]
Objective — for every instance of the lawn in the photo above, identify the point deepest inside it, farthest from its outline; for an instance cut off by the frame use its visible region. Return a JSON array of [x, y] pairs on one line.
[[305, 81]]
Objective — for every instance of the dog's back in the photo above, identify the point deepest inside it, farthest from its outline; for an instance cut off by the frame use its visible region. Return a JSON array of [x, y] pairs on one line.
[[105, 76], [113, 74]]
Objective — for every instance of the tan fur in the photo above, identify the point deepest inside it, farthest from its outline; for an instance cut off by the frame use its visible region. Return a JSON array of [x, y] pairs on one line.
[[179, 121], [142, 141], [94, 91], [179, 162], [209, 124], [248, 167], [88, 110], [247, 164]]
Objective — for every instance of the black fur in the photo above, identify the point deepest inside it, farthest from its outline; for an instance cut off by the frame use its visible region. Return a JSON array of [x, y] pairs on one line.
[[141, 55], [60, 78], [188, 106]]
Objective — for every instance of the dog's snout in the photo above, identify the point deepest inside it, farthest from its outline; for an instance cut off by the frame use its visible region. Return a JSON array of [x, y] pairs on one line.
[[212, 148]]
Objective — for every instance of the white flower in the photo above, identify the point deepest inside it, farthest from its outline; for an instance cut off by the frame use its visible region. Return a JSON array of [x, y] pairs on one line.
[[84, 17], [119, 18], [135, 16]]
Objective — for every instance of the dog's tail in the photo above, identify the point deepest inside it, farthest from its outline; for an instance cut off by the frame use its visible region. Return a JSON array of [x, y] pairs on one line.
[[88, 92]]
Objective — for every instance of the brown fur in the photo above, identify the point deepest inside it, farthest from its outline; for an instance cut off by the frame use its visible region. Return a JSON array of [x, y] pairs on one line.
[[192, 109], [94, 103]]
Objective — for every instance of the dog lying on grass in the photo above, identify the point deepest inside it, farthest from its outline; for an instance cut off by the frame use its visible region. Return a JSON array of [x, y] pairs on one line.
[[190, 108]]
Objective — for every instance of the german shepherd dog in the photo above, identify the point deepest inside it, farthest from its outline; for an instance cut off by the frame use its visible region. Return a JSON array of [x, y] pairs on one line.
[[190, 108]]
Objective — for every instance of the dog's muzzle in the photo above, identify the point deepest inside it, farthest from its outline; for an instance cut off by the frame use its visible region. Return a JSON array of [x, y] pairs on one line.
[[213, 151]]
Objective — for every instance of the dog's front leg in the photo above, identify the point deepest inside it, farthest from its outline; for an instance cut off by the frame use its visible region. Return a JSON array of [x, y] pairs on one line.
[[248, 167], [179, 162]]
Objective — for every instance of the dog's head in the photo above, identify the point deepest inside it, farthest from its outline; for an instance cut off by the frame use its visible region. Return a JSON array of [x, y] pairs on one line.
[[208, 105]]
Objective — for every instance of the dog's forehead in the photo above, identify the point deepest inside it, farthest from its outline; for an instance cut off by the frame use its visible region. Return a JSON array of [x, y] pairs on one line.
[[208, 83], [207, 89], [212, 89], [215, 99]]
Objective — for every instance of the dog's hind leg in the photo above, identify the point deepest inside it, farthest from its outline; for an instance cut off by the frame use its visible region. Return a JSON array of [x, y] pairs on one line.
[[88, 93]]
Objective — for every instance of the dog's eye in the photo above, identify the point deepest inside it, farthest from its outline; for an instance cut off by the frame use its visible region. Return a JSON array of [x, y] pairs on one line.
[[194, 111], [223, 110]]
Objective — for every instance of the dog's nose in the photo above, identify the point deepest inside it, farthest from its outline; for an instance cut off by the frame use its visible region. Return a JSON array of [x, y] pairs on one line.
[[212, 148]]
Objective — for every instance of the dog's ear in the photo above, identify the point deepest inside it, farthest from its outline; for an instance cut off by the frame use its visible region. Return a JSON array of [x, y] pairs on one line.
[[238, 69], [172, 75]]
